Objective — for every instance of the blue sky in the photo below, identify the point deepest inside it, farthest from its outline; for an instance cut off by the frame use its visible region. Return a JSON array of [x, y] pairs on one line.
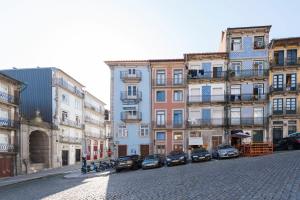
[[77, 36]]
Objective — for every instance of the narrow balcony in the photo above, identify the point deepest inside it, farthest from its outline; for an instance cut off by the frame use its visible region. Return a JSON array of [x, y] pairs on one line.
[[285, 88], [8, 124], [70, 140], [164, 125], [134, 116], [173, 82], [7, 98], [199, 75], [131, 77], [93, 107], [71, 123], [92, 121], [64, 84], [248, 73], [131, 98], [204, 123], [248, 121], [194, 99], [287, 62], [7, 148], [285, 112], [250, 98]]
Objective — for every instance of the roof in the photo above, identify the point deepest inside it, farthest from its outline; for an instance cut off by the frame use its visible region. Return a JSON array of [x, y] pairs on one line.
[[11, 78], [205, 55], [95, 98], [285, 41], [250, 27]]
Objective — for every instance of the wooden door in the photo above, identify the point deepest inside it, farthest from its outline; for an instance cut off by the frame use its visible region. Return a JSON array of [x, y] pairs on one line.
[[144, 150], [122, 150], [216, 140], [65, 157], [6, 167]]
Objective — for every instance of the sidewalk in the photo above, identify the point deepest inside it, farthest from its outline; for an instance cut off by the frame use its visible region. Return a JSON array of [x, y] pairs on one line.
[[44, 173], [78, 174]]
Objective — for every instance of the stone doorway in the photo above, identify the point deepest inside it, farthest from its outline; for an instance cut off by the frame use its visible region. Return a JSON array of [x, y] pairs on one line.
[[38, 150]]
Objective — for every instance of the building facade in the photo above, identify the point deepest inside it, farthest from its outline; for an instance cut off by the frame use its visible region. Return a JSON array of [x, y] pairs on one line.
[[206, 102], [247, 87], [9, 125], [131, 107], [284, 82], [168, 105], [94, 129]]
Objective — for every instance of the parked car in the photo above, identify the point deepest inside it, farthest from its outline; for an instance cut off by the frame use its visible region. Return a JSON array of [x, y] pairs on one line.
[[152, 161], [288, 143], [225, 151], [200, 154], [176, 157], [132, 162]]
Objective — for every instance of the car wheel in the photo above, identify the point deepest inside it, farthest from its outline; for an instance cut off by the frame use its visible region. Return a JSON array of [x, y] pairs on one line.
[[290, 147]]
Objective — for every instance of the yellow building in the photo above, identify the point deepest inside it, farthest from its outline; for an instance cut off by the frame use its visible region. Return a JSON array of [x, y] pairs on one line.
[[284, 56]]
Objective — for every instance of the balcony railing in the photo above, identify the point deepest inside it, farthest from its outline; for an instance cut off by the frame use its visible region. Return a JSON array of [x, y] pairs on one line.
[[92, 107], [285, 88], [247, 97], [206, 75], [248, 73], [7, 148], [8, 98], [92, 121], [248, 121], [131, 98], [174, 82], [205, 122], [127, 116], [285, 62], [164, 125], [206, 98], [94, 134], [71, 123], [284, 112], [125, 76], [70, 140], [64, 84], [7, 123]]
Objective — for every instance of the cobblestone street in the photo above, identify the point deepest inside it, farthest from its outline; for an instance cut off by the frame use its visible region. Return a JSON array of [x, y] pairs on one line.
[[273, 177]]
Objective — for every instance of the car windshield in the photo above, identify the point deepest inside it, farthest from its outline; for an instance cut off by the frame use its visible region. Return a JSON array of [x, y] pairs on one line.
[[124, 158], [294, 134], [199, 150], [225, 147], [172, 153]]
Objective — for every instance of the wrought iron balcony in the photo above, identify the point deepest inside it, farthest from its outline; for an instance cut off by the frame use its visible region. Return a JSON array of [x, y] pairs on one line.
[[129, 117], [131, 98], [285, 88], [64, 84], [284, 111], [164, 125], [134, 77], [194, 74], [248, 73], [213, 122], [71, 123], [7, 98], [70, 140], [7, 148], [247, 97], [93, 107], [285, 62], [247, 121], [170, 82], [206, 99], [7, 123]]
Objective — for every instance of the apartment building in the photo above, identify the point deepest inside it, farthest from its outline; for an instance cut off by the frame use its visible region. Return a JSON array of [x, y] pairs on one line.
[[168, 105], [284, 82], [9, 124], [94, 129], [248, 76], [58, 100], [206, 102], [131, 107]]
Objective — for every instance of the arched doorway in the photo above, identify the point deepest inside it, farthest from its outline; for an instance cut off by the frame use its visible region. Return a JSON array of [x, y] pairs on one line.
[[39, 149]]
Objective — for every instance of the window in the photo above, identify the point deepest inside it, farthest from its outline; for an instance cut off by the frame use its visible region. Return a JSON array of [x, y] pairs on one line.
[[218, 72], [177, 136], [279, 58], [131, 90], [160, 136], [277, 106], [177, 147], [236, 68], [160, 118], [160, 96], [292, 127], [258, 136], [195, 134], [131, 71], [177, 118], [259, 42], [235, 92], [65, 98], [258, 66], [291, 82], [160, 149], [235, 116], [64, 116], [178, 95], [123, 131], [236, 44], [144, 130], [3, 139], [77, 104], [177, 77], [77, 120], [160, 77], [292, 56], [291, 106], [278, 82], [3, 114]]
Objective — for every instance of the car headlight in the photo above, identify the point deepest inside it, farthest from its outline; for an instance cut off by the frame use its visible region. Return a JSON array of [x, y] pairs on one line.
[[222, 152], [168, 159], [181, 158], [207, 154], [156, 162]]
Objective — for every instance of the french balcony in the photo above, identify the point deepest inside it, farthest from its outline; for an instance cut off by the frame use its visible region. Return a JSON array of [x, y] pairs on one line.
[[287, 62], [250, 98], [7, 98], [285, 88], [131, 98], [173, 82], [7, 148], [70, 140], [129, 77], [164, 125], [71, 123], [64, 84], [131, 117], [204, 123], [248, 74], [248, 121], [285, 112], [94, 108], [194, 99], [199, 75], [8, 124]]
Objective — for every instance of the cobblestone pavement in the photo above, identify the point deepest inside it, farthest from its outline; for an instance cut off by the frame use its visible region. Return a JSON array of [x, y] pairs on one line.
[[273, 177]]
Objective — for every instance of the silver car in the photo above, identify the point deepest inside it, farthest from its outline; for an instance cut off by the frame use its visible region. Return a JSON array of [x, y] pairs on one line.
[[225, 151]]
